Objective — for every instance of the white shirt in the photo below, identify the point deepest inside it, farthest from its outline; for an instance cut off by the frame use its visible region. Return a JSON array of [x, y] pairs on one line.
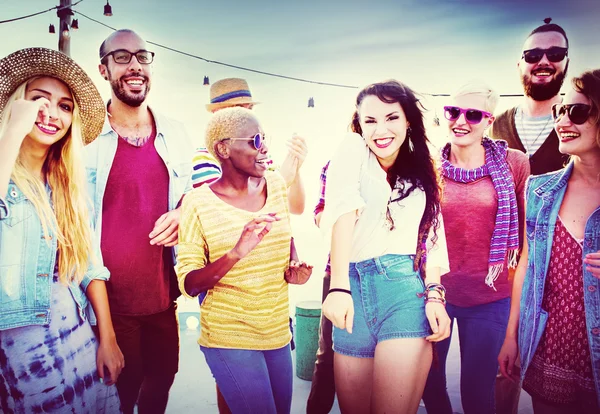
[[356, 182]]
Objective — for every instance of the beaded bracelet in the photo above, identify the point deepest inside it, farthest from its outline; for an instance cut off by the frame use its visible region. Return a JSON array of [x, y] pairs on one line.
[[340, 290]]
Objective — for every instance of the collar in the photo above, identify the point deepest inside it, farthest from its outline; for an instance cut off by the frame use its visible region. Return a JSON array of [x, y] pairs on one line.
[[557, 181], [107, 128]]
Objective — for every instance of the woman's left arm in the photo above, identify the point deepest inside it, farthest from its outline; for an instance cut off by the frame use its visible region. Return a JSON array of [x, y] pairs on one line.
[[109, 359]]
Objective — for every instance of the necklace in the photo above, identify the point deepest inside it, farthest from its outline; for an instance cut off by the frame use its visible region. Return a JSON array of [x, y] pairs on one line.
[[525, 144]]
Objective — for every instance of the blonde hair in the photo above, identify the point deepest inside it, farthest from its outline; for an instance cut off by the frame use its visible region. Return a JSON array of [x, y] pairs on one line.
[[480, 88], [226, 123], [68, 214]]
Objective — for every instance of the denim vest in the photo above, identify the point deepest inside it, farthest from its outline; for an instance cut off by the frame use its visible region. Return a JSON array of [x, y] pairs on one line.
[[27, 263], [545, 194], [172, 145]]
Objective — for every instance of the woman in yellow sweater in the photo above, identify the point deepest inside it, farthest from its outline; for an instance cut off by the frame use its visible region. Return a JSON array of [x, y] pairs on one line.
[[234, 243]]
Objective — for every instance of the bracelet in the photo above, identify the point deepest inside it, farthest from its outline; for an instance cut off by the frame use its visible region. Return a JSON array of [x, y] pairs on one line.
[[435, 287], [436, 300], [340, 290]]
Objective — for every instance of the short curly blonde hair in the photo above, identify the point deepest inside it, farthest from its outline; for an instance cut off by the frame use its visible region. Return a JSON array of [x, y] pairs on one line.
[[225, 124]]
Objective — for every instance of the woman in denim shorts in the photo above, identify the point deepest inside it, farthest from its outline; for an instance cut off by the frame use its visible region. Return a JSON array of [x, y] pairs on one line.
[[382, 217]]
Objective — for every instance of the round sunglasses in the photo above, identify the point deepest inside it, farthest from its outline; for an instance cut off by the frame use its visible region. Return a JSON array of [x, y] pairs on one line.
[[578, 113], [472, 116], [258, 140], [554, 54]]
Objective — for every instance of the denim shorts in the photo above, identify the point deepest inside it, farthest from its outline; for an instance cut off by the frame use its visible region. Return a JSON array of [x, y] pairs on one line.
[[385, 293]]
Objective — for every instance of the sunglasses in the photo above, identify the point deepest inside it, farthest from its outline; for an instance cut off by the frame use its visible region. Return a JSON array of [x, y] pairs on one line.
[[258, 140], [578, 113], [554, 54], [472, 116]]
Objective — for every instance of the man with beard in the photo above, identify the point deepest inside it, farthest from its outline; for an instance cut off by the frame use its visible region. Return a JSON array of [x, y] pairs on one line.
[[138, 170], [528, 127]]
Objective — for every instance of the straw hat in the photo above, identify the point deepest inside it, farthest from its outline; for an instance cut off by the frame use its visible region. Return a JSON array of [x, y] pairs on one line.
[[229, 92], [24, 64]]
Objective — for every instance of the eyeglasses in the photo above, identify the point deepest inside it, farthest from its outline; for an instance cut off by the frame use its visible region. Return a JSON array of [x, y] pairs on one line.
[[472, 116], [123, 56], [554, 54], [258, 140], [578, 113]]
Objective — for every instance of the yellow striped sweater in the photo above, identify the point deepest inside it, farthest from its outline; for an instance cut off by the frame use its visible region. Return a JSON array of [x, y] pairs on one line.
[[248, 308]]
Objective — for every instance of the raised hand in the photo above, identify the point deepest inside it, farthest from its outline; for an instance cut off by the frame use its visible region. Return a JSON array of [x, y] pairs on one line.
[[25, 114], [253, 233]]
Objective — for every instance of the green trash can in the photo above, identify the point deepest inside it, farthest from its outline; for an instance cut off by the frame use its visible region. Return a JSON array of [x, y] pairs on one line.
[[308, 316]]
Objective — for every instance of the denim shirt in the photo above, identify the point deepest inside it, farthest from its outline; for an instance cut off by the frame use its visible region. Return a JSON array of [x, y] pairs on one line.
[[27, 263], [172, 145], [545, 194]]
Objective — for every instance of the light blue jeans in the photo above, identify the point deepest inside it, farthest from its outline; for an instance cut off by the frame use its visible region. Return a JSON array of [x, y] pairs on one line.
[[253, 382]]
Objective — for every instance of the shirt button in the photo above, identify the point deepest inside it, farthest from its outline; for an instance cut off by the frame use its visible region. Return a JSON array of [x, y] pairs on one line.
[[13, 193], [591, 288], [596, 331], [588, 242]]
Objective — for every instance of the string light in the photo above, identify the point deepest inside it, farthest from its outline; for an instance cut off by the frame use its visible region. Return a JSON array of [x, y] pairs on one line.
[[108, 12]]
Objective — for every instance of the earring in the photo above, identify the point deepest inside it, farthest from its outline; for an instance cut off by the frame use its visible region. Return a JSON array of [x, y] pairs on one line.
[[411, 147]]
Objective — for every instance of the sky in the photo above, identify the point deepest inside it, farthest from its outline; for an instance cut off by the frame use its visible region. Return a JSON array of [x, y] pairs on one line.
[[432, 46]]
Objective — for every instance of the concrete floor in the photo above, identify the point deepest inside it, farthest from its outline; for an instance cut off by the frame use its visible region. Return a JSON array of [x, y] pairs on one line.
[[194, 387]]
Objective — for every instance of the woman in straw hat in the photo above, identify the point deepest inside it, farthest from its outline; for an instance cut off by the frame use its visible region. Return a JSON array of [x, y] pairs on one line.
[[234, 243], [382, 217], [49, 272]]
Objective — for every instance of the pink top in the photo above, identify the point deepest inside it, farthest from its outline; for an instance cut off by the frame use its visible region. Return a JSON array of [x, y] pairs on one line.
[[469, 212], [140, 274]]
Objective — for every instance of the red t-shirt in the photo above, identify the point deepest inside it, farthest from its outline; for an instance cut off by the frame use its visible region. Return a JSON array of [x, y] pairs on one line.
[[469, 211], [136, 196]]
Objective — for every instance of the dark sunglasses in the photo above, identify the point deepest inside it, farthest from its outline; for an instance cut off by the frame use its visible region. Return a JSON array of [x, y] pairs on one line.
[[258, 140], [554, 54], [123, 56], [578, 113], [472, 116]]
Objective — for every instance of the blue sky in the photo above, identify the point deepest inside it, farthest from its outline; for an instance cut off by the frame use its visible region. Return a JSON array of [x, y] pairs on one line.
[[433, 46]]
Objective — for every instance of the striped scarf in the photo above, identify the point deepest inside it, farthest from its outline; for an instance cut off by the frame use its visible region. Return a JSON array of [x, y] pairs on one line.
[[505, 238]]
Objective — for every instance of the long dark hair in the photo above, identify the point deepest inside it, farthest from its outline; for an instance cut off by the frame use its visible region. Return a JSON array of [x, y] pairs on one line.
[[414, 166]]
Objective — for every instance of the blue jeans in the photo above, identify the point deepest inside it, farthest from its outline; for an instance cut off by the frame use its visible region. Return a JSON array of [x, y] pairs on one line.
[[481, 331], [251, 382]]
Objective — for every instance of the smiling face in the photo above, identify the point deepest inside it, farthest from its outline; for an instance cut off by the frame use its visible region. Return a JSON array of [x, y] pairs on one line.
[[463, 133], [576, 139], [130, 82], [60, 110], [383, 128], [542, 80], [242, 154]]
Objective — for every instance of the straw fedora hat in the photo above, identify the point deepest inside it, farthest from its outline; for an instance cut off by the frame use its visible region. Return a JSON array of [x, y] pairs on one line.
[[229, 92], [25, 64]]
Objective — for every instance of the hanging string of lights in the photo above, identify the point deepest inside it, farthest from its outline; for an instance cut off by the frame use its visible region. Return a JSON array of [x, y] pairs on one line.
[[108, 12], [57, 8]]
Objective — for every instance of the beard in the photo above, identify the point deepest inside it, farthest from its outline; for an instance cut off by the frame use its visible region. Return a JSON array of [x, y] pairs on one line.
[[128, 98], [543, 91]]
